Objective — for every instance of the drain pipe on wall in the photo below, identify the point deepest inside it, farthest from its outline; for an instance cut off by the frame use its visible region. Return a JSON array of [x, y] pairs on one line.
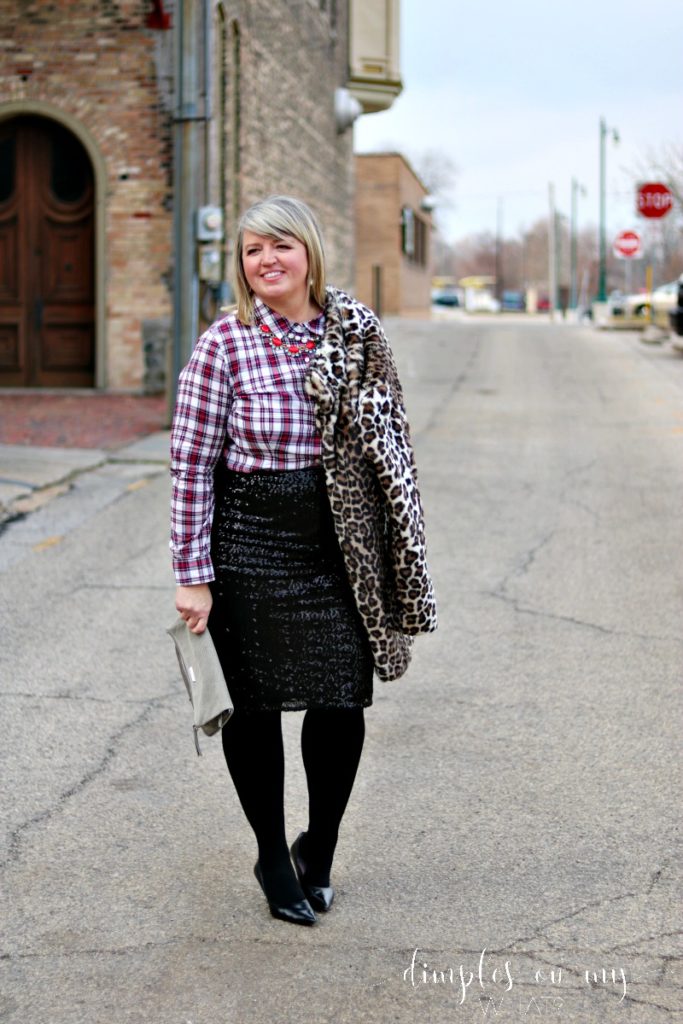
[[207, 44], [186, 159]]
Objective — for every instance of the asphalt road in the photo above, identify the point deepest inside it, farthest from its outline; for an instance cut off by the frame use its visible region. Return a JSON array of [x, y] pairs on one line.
[[508, 853]]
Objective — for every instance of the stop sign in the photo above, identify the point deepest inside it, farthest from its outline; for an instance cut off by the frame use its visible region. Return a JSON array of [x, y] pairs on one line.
[[627, 245], [654, 199]]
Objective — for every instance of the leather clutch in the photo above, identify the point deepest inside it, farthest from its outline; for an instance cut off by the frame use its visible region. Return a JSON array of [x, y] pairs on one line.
[[203, 677]]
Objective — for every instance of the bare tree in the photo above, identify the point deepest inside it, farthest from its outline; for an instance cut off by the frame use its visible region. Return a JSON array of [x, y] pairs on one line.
[[663, 238], [667, 164], [437, 172]]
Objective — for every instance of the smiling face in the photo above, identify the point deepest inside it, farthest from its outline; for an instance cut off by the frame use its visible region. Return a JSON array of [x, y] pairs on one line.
[[276, 270]]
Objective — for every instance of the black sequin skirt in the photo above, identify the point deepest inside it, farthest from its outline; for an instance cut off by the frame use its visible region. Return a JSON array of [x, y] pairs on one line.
[[284, 621]]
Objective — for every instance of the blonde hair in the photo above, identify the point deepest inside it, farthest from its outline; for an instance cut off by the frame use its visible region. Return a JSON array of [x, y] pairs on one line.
[[277, 217]]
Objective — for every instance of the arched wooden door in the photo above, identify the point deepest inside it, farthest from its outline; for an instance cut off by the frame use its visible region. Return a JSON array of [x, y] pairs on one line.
[[47, 273]]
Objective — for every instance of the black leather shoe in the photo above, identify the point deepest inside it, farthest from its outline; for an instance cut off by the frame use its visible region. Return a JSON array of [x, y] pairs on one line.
[[299, 912], [319, 896]]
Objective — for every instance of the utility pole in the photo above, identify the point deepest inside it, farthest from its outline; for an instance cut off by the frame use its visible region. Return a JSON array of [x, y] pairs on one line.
[[573, 228], [552, 251], [499, 251], [602, 276]]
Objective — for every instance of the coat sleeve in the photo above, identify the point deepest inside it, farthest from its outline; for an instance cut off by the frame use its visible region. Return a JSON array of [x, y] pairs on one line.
[[385, 438]]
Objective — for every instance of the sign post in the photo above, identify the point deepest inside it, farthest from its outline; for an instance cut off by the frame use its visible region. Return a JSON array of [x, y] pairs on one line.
[[654, 200]]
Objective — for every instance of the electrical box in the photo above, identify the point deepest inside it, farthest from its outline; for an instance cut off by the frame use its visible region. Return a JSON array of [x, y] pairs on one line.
[[209, 264], [209, 224]]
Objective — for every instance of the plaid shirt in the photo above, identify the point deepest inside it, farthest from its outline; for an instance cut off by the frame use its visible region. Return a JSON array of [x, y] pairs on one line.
[[240, 399]]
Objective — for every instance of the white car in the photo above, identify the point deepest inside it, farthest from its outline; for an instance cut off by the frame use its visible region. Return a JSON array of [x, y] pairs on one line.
[[639, 306], [664, 300]]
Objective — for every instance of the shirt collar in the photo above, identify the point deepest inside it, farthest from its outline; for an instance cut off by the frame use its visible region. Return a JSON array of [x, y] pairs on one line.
[[263, 314]]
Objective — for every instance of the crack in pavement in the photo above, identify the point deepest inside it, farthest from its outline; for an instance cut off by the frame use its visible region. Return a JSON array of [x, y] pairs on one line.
[[527, 561], [575, 969], [500, 593], [87, 698], [653, 880], [167, 587], [651, 938], [647, 1002], [572, 500], [456, 385], [14, 512], [16, 836], [606, 630], [581, 468], [260, 940], [583, 977]]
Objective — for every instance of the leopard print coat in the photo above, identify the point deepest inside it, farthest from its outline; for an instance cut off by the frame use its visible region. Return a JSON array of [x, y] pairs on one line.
[[371, 480]]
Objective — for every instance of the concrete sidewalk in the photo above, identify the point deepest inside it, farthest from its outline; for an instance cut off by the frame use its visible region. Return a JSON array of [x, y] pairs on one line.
[[30, 476], [48, 438]]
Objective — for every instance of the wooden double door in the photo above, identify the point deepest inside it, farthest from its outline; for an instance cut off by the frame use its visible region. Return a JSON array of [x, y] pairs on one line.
[[47, 321]]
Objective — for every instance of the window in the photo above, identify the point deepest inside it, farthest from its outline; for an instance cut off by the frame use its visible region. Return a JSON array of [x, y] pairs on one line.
[[408, 232], [7, 157], [70, 176], [414, 237]]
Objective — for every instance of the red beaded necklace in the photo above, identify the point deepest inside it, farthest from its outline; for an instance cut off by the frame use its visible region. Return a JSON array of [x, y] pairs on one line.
[[293, 348]]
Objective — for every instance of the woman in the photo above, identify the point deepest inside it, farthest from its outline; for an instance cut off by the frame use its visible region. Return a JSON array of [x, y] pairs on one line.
[[297, 533]]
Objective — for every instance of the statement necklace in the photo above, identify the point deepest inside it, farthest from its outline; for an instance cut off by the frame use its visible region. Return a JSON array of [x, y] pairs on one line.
[[295, 348]]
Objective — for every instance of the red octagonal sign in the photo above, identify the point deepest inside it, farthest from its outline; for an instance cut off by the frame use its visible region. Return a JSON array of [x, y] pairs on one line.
[[627, 245], [654, 199]]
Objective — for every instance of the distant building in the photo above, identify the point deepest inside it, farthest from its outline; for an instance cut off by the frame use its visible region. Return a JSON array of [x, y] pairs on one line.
[[89, 175], [393, 229]]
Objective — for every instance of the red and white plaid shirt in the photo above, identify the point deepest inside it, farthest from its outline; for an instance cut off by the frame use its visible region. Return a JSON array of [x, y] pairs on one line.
[[243, 400]]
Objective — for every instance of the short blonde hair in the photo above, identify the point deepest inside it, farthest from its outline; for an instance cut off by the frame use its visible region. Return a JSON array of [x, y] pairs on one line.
[[277, 217]]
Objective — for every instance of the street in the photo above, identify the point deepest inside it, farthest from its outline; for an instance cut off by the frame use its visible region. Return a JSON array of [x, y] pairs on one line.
[[508, 851]]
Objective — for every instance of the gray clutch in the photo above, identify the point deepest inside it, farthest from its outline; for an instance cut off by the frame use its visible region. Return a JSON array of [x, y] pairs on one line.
[[203, 676]]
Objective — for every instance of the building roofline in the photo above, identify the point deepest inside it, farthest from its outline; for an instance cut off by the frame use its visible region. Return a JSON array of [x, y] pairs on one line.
[[393, 154]]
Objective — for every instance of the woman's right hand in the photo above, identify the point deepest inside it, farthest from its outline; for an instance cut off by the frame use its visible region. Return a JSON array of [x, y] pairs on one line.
[[194, 604]]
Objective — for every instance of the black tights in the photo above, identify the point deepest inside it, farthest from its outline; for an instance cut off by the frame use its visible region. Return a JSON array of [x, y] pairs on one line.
[[331, 745]]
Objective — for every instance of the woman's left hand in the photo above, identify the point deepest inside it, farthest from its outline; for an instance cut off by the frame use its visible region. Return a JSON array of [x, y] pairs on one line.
[[194, 604]]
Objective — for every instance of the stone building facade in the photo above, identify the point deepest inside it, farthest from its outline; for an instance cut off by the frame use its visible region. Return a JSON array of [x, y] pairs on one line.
[[393, 235], [87, 186]]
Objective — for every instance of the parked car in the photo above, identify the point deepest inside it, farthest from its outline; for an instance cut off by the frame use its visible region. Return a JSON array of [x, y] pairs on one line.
[[676, 314], [445, 297], [480, 300], [513, 301], [616, 303], [663, 301], [631, 307], [643, 305]]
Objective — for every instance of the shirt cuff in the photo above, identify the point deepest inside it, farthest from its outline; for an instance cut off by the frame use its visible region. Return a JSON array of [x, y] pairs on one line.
[[190, 574]]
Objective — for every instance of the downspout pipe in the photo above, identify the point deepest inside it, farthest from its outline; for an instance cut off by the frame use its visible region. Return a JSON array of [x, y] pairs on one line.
[[186, 159]]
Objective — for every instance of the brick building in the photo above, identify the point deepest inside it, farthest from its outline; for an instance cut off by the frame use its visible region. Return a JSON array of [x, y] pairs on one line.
[[90, 164], [393, 235]]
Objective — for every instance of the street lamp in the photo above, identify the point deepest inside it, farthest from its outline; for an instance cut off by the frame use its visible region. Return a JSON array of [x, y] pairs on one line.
[[602, 278], [577, 189]]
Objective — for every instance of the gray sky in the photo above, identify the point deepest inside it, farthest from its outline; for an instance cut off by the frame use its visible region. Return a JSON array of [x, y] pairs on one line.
[[513, 92]]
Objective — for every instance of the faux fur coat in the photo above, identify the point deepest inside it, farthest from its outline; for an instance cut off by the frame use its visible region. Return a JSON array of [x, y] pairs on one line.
[[371, 480]]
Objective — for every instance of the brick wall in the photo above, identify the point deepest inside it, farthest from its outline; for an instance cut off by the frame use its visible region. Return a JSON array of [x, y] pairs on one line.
[[95, 62], [293, 55], [385, 183], [378, 233]]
